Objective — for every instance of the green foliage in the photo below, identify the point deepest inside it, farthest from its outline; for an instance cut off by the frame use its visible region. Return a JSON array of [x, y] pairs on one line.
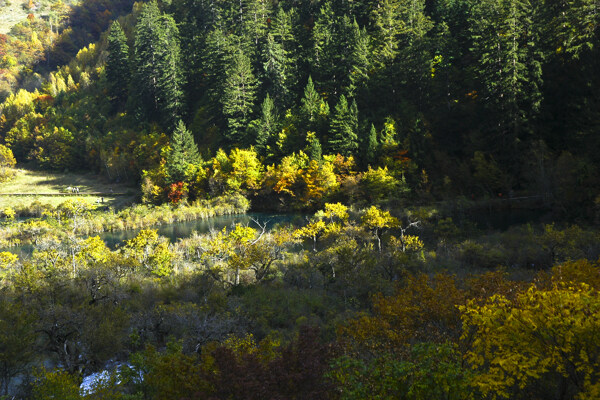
[[344, 128], [267, 126], [55, 384], [184, 154], [117, 64], [157, 75], [239, 96], [430, 371]]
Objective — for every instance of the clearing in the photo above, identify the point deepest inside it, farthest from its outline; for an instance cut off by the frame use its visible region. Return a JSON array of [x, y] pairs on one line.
[[51, 188]]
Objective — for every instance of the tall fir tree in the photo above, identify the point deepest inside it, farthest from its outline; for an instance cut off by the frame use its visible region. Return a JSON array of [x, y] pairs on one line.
[[118, 69], [282, 31], [506, 45], [369, 147], [158, 77], [276, 72], [268, 127], [183, 153], [314, 149], [313, 109], [359, 62], [344, 128], [387, 25], [239, 96]]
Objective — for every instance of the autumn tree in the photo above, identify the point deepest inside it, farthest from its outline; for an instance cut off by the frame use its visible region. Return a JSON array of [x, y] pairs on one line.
[[542, 343]]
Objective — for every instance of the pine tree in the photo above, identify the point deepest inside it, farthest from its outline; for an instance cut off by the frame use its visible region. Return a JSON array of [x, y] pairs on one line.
[[314, 149], [505, 45], [359, 62], [268, 126], [117, 65], [313, 110], [370, 147], [344, 128], [158, 78], [387, 24], [281, 28], [256, 23], [239, 95], [183, 153], [275, 71], [325, 57]]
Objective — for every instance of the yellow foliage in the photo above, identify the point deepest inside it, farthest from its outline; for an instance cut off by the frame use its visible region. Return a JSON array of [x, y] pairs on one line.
[[423, 309], [514, 343]]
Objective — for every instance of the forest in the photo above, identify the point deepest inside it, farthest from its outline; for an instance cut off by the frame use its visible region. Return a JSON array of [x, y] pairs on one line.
[[435, 162]]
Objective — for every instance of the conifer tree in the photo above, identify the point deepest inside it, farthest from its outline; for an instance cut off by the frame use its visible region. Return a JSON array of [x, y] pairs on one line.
[[313, 109], [117, 65], [369, 147], [344, 127], [239, 95], [386, 22], [183, 153], [275, 71], [325, 57], [268, 125], [314, 150], [359, 62], [505, 43], [158, 78], [281, 28]]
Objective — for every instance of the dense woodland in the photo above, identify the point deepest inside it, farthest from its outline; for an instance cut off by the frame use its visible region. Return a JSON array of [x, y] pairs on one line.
[[387, 123]]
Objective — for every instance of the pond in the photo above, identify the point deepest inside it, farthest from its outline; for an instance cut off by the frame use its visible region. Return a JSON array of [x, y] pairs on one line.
[[483, 219], [180, 230]]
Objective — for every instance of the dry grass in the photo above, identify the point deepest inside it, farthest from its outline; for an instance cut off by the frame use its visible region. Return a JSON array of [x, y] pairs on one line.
[[37, 183], [11, 15]]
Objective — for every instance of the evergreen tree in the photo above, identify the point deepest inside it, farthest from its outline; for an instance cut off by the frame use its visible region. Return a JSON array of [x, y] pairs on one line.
[[359, 62], [268, 126], [158, 78], [314, 149], [313, 109], [344, 128], [387, 24], [281, 28], [505, 43], [275, 71], [216, 52], [370, 147], [183, 153], [239, 95], [117, 65], [258, 13], [325, 58]]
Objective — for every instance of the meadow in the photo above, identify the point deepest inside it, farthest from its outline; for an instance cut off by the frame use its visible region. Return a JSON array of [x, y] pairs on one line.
[[50, 188]]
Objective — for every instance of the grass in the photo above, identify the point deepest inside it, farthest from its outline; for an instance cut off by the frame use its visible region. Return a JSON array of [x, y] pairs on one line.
[[39, 184], [11, 15]]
